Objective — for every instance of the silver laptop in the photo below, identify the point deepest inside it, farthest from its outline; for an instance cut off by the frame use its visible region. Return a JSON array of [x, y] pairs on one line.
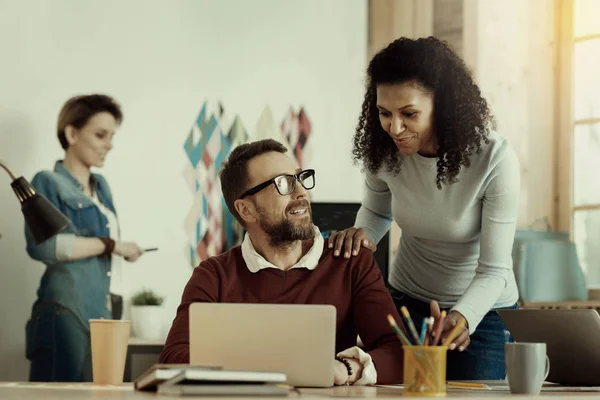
[[298, 340], [572, 339]]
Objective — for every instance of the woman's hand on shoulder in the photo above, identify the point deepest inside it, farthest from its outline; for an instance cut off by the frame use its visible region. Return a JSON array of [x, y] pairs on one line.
[[130, 251], [349, 242]]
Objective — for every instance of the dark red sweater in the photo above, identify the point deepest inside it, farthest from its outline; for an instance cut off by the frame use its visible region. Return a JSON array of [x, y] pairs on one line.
[[355, 287]]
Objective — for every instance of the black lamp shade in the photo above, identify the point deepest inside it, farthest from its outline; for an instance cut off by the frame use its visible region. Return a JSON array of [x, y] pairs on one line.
[[43, 219]]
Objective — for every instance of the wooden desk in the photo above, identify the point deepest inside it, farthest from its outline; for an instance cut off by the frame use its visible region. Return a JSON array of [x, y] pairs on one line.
[[71, 391]]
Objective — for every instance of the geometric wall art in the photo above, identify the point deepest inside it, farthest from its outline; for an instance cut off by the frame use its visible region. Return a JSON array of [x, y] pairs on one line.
[[210, 228], [296, 130]]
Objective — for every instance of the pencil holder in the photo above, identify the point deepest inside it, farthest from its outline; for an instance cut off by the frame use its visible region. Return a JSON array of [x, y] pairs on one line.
[[425, 370]]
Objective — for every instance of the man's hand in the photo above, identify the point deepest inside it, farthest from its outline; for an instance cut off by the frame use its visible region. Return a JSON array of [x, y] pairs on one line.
[[340, 372], [462, 340]]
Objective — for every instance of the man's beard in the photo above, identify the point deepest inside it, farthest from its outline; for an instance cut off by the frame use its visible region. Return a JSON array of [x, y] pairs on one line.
[[286, 231]]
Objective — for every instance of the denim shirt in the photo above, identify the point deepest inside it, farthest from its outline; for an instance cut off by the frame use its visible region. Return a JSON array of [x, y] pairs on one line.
[[81, 286]]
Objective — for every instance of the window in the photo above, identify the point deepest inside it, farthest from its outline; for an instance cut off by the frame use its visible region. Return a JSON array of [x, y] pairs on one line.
[[585, 131]]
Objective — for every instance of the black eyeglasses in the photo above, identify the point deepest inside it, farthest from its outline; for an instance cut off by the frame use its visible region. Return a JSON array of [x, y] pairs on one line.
[[286, 184]]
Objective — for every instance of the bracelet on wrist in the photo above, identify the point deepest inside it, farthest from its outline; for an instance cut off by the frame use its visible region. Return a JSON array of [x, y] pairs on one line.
[[346, 364], [109, 245]]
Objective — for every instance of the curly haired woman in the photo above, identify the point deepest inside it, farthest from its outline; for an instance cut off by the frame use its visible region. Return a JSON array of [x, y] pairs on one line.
[[434, 165]]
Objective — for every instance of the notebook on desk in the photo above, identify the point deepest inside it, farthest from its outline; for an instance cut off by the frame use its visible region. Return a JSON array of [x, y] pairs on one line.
[[209, 376], [159, 373], [225, 390], [225, 382]]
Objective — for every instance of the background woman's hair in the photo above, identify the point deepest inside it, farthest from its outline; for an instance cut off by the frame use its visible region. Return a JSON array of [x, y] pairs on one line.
[[78, 110]]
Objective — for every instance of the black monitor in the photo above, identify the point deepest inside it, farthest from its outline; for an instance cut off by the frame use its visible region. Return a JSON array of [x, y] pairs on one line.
[[334, 217]]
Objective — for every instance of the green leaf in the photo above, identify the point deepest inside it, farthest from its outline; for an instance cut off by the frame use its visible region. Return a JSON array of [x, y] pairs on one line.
[[146, 297]]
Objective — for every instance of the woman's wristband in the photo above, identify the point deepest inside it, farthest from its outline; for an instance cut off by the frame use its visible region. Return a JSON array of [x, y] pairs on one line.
[[109, 245]]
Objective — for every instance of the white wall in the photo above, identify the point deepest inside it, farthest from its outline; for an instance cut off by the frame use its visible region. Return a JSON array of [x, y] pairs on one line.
[[448, 23], [162, 60], [512, 47]]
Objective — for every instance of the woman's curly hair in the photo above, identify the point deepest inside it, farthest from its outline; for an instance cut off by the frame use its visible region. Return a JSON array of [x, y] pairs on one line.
[[461, 117]]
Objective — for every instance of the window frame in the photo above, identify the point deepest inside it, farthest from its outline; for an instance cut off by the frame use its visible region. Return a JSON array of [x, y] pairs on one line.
[[566, 123]]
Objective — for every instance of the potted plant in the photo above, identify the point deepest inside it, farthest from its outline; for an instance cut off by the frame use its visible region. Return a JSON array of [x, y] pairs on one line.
[[146, 315]]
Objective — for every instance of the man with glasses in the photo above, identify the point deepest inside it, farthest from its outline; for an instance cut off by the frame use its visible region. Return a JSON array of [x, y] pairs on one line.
[[268, 194]]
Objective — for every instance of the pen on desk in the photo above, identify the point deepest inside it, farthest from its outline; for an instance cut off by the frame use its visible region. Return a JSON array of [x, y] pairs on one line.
[[438, 330], [151, 249], [410, 324], [471, 385], [399, 333], [454, 332]]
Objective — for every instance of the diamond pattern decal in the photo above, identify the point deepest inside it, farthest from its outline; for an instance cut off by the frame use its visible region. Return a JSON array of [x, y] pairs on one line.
[[210, 228]]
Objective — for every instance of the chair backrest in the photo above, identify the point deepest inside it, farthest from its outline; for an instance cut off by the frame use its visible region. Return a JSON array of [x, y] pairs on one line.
[[529, 234], [523, 236], [549, 271], [334, 217]]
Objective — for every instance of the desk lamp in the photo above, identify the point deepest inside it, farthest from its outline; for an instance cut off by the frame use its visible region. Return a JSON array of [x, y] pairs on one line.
[[43, 219]]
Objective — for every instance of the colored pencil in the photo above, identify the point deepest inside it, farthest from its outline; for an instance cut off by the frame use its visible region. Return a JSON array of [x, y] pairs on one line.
[[399, 333], [411, 325], [423, 331], [454, 333], [470, 385], [438, 330], [430, 322]]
